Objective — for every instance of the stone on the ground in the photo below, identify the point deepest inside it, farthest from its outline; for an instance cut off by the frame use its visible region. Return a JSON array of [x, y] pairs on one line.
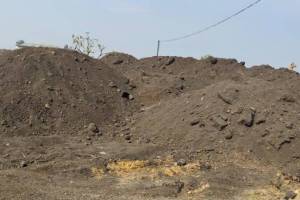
[[219, 123], [170, 61], [243, 63], [118, 62], [247, 117], [260, 118], [93, 128], [194, 122], [290, 195], [181, 162], [289, 125], [23, 164], [228, 135], [112, 85], [127, 95]]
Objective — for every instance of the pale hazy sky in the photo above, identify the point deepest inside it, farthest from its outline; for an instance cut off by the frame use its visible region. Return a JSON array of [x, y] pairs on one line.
[[267, 33]]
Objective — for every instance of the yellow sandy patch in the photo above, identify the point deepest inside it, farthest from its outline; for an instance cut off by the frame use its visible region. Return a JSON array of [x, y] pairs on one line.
[[146, 169], [126, 166], [267, 193], [97, 172]]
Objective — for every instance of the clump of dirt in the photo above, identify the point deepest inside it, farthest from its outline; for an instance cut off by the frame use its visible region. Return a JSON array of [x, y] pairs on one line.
[[53, 90]]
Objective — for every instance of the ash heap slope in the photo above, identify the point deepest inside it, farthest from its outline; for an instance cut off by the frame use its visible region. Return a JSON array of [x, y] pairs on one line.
[[46, 91], [217, 109]]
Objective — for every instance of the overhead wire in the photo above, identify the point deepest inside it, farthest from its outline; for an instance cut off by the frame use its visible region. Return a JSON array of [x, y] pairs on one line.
[[213, 25]]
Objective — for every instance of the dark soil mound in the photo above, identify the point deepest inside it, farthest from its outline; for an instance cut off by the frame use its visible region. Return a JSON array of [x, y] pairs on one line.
[[53, 90], [170, 128], [218, 109]]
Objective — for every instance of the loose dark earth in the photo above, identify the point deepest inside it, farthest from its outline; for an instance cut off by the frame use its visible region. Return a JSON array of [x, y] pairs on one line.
[[73, 127]]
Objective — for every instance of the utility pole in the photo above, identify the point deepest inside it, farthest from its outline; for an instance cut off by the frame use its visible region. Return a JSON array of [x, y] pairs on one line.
[[158, 47]]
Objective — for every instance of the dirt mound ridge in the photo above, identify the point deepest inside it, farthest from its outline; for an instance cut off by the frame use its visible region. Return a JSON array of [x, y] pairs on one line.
[[54, 90], [159, 78], [117, 59]]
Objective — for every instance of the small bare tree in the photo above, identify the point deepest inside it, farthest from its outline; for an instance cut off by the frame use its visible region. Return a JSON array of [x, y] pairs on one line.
[[292, 66], [87, 45], [205, 57]]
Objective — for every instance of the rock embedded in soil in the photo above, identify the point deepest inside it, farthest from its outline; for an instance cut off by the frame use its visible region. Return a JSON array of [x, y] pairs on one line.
[[289, 125], [290, 195], [170, 61], [260, 118], [131, 97], [127, 137], [118, 62], [195, 122], [181, 162], [228, 135], [132, 86], [247, 117], [219, 122], [243, 63], [23, 164], [127, 95], [265, 133], [93, 128]]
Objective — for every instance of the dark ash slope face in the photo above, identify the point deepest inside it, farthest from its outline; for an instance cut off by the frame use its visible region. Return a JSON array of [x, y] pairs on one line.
[[52, 90], [192, 105]]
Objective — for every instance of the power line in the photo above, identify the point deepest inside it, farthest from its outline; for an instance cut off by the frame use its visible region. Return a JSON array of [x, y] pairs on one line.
[[213, 25]]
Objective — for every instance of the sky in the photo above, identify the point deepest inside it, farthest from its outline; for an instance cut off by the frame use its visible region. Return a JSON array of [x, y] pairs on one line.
[[268, 33]]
